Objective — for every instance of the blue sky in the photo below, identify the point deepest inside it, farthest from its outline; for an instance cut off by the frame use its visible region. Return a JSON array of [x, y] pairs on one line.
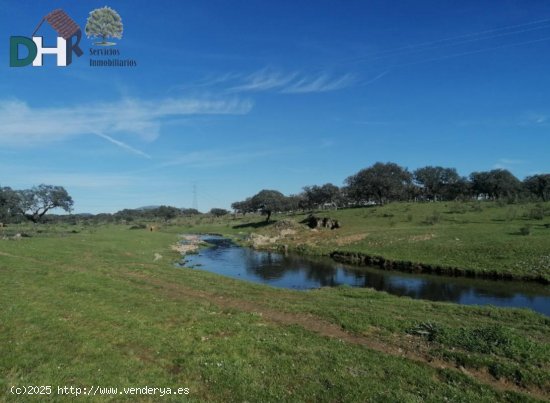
[[244, 95]]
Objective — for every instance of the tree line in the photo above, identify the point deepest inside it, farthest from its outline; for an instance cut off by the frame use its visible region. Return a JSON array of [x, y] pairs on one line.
[[35, 205], [382, 183], [378, 184]]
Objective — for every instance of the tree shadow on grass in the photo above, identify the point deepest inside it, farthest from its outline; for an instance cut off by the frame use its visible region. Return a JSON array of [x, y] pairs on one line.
[[258, 224]]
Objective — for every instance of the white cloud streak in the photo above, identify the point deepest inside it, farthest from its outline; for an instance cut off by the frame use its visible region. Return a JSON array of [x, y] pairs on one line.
[[26, 125], [321, 83], [264, 80], [289, 83], [532, 118], [123, 145]]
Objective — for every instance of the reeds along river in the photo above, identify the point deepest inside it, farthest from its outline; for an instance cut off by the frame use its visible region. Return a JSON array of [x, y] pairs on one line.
[[298, 272]]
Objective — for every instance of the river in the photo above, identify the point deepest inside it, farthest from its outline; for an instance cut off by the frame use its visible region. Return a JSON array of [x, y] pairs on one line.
[[299, 272]]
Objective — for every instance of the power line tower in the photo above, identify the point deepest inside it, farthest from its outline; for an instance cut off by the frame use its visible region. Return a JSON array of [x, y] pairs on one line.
[[195, 197]]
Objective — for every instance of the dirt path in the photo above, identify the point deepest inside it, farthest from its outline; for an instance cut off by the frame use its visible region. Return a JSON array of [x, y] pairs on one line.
[[410, 349]]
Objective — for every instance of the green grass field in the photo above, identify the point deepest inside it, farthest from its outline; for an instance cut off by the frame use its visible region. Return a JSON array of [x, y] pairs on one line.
[[89, 306]]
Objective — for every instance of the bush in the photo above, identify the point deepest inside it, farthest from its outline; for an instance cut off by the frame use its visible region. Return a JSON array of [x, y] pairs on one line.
[[477, 207], [458, 208], [525, 230], [428, 330], [433, 218], [486, 340], [536, 213], [511, 213]]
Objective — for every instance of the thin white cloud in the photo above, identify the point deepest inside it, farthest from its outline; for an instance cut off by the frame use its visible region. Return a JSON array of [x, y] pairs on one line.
[[287, 83], [532, 118], [264, 80], [209, 81], [321, 83], [122, 145], [376, 78], [26, 125]]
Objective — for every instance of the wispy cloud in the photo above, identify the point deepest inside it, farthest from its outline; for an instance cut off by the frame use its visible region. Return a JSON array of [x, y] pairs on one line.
[[122, 145], [26, 125], [268, 79], [375, 78], [321, 83], [532, 118], [209, 81], [264, 80]]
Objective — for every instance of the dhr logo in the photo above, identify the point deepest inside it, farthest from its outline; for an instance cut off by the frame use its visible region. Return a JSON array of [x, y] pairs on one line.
[[68, 39]]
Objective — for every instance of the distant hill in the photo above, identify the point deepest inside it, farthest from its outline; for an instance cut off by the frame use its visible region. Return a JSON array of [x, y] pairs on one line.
[[147, 208]]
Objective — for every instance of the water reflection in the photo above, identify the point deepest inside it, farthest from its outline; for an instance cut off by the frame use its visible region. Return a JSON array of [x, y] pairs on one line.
[[300, 273]]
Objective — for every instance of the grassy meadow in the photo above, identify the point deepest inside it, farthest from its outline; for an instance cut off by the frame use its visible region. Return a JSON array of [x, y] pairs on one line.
[[104, 305]]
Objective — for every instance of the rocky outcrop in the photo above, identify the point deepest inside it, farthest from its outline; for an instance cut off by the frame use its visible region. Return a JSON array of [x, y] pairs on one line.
[[321, 222]]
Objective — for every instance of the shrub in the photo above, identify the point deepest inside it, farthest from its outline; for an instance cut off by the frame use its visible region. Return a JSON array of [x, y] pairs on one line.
[[536, 213], [433, 218], [477, 207], [486, 340], [511, 214], [428, 330], [525, 230], [458, 208]]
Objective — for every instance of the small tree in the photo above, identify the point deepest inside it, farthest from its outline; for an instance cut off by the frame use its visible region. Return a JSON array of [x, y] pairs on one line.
[[189, 212], [104, 23], [538, 185], [435, 181], [317, 196], [243, 207], [268, 201], [219, 212], [497, 183], [382, 181], [8, 204], [166, 212], [34, 203]]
